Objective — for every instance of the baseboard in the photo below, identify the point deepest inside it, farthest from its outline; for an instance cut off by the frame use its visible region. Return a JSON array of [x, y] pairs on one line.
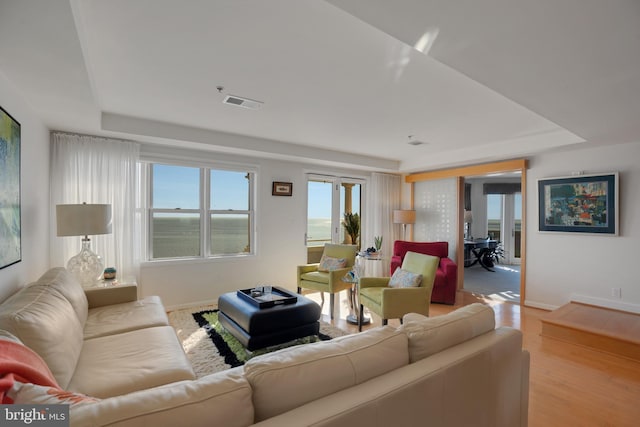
[[602, 302], [540, 305]]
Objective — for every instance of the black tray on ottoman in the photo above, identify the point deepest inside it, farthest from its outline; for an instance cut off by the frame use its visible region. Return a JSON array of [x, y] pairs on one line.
[[258, 327], [277, 296]]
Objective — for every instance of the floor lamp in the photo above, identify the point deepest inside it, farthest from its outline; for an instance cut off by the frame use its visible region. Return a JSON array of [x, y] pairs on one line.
[[404, 217], [84, 220]]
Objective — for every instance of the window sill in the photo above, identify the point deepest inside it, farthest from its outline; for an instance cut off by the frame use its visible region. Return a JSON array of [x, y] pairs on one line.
[[183, 261]]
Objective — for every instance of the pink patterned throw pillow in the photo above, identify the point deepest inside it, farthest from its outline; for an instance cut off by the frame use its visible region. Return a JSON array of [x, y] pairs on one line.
[[23, 393]]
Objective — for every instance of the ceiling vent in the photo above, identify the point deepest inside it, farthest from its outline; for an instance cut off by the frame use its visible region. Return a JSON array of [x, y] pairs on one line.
[[242, 102], [416, 143]]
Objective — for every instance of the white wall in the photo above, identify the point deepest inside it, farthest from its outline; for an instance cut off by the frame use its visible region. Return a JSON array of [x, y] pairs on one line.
[[565, 267], [34, 193], [281, 226]]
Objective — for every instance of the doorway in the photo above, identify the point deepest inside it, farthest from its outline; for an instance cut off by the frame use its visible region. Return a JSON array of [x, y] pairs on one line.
[[486, 169], [329, 198], [495, 201]]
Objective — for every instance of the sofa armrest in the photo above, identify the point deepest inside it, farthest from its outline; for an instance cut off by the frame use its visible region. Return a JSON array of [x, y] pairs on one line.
[[101, 296], [338, 274], [373, 282], [226, 394], [450, 268], [307, 268], [403, 297]]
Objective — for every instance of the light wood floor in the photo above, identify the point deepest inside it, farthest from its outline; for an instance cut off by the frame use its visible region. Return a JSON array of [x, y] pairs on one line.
[[569, 385]]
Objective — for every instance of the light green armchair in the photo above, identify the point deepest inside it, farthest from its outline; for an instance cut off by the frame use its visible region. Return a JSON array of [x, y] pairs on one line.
[[393, 303], [328, 281]]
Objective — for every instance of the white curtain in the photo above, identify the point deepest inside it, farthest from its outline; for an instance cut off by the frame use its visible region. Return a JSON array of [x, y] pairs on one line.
[[97, 170], [383, 198]]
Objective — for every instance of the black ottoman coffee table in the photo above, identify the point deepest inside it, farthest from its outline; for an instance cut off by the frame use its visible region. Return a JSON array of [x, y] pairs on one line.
[[257, 327]]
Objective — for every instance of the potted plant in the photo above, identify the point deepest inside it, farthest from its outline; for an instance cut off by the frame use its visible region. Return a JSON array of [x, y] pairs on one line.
[[377, 241], [352, 226]]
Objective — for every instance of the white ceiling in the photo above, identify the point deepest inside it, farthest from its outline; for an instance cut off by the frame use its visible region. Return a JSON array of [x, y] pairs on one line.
[[344, 82]]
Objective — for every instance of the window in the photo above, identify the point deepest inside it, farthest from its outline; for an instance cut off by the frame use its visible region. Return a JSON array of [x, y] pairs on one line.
[[196, 211]]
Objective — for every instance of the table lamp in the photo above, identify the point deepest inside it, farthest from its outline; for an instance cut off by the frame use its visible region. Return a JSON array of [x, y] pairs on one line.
[[84, 220], [404, 217]]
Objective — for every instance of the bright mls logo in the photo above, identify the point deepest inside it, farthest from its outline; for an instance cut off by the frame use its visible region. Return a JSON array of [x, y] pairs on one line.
[[34, 415]]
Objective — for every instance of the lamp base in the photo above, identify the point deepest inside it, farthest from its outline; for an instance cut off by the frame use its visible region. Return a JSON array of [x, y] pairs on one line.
[[86, 266]]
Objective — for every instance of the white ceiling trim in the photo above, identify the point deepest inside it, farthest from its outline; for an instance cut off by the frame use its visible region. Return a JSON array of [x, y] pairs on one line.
[[241, 144]]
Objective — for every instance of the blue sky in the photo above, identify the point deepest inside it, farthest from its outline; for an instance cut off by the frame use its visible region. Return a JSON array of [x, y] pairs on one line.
[[320, 199], [179, 187]]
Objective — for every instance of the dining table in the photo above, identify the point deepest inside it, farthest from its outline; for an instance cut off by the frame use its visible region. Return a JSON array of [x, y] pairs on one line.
[[480, 251]]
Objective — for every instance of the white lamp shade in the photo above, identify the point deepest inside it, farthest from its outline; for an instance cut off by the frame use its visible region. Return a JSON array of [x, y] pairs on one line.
[[468, 217], [83, 220], [404, 217]]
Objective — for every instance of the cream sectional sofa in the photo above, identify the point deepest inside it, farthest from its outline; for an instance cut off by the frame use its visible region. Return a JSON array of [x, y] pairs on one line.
[[451, 370]]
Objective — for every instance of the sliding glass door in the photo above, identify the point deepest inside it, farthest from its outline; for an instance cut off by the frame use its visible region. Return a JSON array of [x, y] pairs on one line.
[[504, 223], [329, 198]]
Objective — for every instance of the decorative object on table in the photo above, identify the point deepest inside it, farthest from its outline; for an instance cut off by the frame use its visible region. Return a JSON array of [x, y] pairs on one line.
[[468, 219], [404, 217], [84, 220], [579, 204], [352, 226], [370, 253], [373, 251], [210, 348], [10, 226], [281, 188], [109, 273]]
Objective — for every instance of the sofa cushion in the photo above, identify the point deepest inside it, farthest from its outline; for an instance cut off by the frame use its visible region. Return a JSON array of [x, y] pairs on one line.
[[114, 319], [430, 335], [44, 320], [220, 399], [63, 281], [316, 276], [118, 364], [292, 377]]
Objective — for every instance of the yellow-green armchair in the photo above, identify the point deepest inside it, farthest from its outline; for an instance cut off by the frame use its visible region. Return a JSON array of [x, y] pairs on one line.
[[394, 302], [309, 276]]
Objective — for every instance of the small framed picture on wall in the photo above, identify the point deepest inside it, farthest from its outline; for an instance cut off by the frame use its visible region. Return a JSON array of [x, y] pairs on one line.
[[282, 189]]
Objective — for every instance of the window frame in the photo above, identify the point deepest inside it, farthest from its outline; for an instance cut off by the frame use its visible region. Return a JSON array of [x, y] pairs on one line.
[[205, 212]]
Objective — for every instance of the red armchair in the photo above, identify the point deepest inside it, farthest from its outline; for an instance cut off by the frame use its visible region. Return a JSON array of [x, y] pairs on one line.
[[446, 283]]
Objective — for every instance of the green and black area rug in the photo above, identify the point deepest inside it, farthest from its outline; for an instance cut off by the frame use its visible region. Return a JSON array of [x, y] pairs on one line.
[[210, 348]]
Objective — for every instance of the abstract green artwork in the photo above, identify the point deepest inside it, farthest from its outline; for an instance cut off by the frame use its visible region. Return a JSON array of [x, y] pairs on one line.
[[10, 226]]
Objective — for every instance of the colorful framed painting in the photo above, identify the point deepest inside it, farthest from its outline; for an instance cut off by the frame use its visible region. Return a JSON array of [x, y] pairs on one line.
[[579, 204], [10, 233]]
